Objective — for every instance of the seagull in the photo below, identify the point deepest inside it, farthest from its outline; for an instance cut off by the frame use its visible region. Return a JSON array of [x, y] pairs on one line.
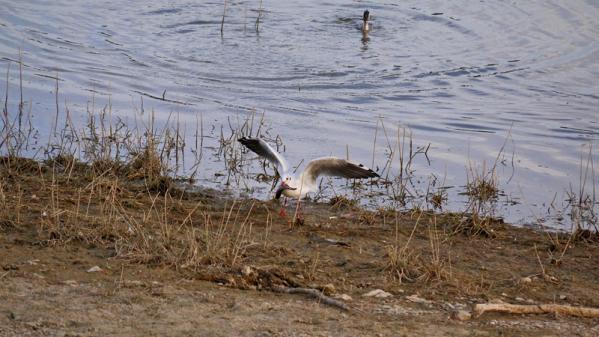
[[298, 185], [366, 25]]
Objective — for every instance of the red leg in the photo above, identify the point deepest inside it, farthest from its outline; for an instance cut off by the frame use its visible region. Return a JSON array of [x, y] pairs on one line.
[[282, 212], [299, 210]]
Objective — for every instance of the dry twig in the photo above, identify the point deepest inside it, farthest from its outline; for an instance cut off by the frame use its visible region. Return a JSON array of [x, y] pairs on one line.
[[322, 298]]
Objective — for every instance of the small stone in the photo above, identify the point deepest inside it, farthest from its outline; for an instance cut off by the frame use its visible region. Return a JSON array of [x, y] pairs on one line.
[[504, 295], [526, 280], [562, 297], [461, 315], [246, 270], [378, 293], [416, 299], [520, 299], [71, 283], [328, 289], [94, 269], [344, 297]]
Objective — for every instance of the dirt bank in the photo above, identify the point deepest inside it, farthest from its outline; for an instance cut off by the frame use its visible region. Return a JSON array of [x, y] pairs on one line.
[[177, 263]]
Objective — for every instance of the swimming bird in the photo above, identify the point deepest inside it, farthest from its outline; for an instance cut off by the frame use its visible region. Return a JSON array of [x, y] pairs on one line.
[[366, 25], [297, 186]]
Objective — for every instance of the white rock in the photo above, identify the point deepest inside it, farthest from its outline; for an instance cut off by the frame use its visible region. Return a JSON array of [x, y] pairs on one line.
[[246, 270], [461, 315], [94, 269], [562, 297], [379, 293], [526, 280], [416, 299], [344, 297]]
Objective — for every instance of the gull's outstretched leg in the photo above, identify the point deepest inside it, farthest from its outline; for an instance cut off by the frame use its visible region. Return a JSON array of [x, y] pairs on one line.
[[282, 212], [298, 211]]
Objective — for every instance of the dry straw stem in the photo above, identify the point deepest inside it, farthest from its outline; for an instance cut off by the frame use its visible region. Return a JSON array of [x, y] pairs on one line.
[[402, 261], [222, 22], [436, 268], [259, 17], [557, 309]]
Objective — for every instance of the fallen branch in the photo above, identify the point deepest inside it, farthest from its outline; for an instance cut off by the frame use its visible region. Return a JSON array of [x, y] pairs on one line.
[[479, 309], [322, 298]]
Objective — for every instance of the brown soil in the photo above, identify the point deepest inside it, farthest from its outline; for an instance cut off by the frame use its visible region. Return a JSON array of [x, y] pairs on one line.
[[177, 263]]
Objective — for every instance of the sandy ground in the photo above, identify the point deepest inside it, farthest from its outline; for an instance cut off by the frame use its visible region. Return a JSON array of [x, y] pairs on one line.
[[163, 288], [48, 291]]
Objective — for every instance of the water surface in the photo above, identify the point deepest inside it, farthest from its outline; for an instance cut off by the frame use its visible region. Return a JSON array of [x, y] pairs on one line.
[[463, 76]]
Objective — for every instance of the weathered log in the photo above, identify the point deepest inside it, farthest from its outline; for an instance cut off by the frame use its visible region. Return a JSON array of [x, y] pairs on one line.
[[560, 309]]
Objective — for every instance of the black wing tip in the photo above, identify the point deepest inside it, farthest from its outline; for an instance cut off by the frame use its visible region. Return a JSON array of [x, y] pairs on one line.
[[369, 173], [246, 140], [372, 174]]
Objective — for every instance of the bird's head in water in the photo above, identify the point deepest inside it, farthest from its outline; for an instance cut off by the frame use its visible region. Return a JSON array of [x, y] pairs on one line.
[[366, 24], [366, 16], [284, 185]]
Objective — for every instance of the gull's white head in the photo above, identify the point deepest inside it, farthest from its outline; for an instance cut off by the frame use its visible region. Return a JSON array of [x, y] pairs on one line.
[[286, 186]]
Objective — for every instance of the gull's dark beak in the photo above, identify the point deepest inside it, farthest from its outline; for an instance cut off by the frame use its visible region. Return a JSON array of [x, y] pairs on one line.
[[283, 186]]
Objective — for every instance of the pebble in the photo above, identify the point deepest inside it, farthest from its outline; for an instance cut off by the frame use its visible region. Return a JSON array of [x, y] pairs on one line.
[[94, 269], [416, 299], [246, 270], [378, 293], [526, 280], [328, 289], [461, 315], [562, 297], [344, 297]]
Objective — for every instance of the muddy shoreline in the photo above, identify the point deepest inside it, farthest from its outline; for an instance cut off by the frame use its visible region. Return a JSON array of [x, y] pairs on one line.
[[173, 262]]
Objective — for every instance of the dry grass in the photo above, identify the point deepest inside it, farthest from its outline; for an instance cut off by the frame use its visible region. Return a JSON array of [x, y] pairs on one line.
[[402, 261]]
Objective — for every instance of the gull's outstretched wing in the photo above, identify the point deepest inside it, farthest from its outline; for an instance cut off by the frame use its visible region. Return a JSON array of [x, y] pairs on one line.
[[261, 148], [331, 166]]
